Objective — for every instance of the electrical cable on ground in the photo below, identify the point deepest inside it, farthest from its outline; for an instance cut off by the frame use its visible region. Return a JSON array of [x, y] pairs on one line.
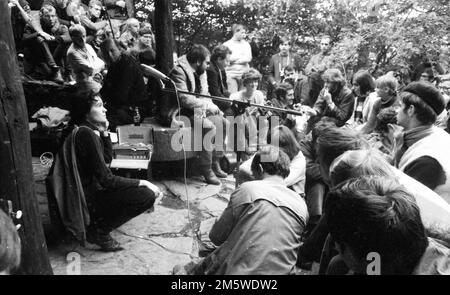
[[185, 169], [154, 242], [195, 237]]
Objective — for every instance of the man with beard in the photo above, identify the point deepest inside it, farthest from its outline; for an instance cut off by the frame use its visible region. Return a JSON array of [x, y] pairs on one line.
[[334, 101], [189, 74]]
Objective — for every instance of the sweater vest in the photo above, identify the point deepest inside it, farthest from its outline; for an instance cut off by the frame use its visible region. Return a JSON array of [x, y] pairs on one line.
[[436, 146]]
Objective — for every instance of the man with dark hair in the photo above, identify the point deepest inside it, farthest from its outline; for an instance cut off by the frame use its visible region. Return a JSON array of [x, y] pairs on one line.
[[422, 149], [335, 100], [189, 74], [279, 61], [377, 215], [217, 77], [284, 99], [45, 50], [124, 88], [259, 231]]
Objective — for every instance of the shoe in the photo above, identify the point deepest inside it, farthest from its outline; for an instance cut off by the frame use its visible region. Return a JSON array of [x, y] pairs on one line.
[[218, 170], [210, 177], [105, 241]]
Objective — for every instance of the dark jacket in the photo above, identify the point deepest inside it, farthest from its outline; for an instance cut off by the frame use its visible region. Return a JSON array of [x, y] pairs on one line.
[[285, 118], [124, 84], [344, 104], [217, 84], [312, 167]]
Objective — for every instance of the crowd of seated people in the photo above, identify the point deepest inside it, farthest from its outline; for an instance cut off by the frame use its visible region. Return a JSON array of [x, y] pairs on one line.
[[317, 185], [44, 40]]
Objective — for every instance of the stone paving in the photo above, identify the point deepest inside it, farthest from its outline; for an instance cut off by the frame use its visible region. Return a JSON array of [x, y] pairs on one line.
[[158, 240], [155, 241]]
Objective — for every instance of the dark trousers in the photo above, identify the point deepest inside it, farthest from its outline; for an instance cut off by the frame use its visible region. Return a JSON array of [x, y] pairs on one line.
[[315, 194], [39, 52], [111, 209], [209, 142], [311, 249]]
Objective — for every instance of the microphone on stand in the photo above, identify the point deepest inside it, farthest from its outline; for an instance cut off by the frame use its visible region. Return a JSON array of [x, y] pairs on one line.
[[151, 71]]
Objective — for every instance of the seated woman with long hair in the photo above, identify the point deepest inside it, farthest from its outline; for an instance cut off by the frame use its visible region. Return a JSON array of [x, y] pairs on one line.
[[364, 90], [92, 201], [285, 139]]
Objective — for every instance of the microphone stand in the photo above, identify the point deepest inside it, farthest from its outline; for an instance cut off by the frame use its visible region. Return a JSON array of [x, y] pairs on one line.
[[223, 99], [109, 20]]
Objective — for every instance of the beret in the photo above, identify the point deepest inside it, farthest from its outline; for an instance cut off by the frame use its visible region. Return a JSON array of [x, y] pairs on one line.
[[428, 93]]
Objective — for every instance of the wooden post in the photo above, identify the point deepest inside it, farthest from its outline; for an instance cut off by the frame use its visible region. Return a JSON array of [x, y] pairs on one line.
[[16, 181], [164, 35]]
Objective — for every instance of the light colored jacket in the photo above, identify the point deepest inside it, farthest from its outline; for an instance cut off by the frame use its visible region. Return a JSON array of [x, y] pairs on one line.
[[183, 76], [435, 146], [85, 64], [259, 232]]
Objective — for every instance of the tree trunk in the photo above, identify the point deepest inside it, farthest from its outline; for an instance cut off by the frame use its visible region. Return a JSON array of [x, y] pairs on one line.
[[164, 35], [16, 181]]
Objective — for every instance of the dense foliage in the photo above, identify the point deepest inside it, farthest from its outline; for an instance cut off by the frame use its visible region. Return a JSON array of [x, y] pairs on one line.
[[365, 33]]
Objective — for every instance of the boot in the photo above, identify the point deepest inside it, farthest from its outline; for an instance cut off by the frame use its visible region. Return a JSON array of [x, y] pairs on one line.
[[218, 170], [210, 177], [103, 239], [56, 75]]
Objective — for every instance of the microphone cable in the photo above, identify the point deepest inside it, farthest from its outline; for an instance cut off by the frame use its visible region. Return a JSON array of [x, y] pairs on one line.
[[194, 236]]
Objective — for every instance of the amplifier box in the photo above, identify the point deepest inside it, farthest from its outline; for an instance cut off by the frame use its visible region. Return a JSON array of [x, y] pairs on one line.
[[134, 143]]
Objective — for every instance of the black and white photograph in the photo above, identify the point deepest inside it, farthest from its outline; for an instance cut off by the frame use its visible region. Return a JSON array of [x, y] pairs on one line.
[[192, 140]]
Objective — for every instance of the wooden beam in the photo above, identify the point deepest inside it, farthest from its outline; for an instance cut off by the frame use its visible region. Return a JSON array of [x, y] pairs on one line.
[[16, 181], [164, 35]]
